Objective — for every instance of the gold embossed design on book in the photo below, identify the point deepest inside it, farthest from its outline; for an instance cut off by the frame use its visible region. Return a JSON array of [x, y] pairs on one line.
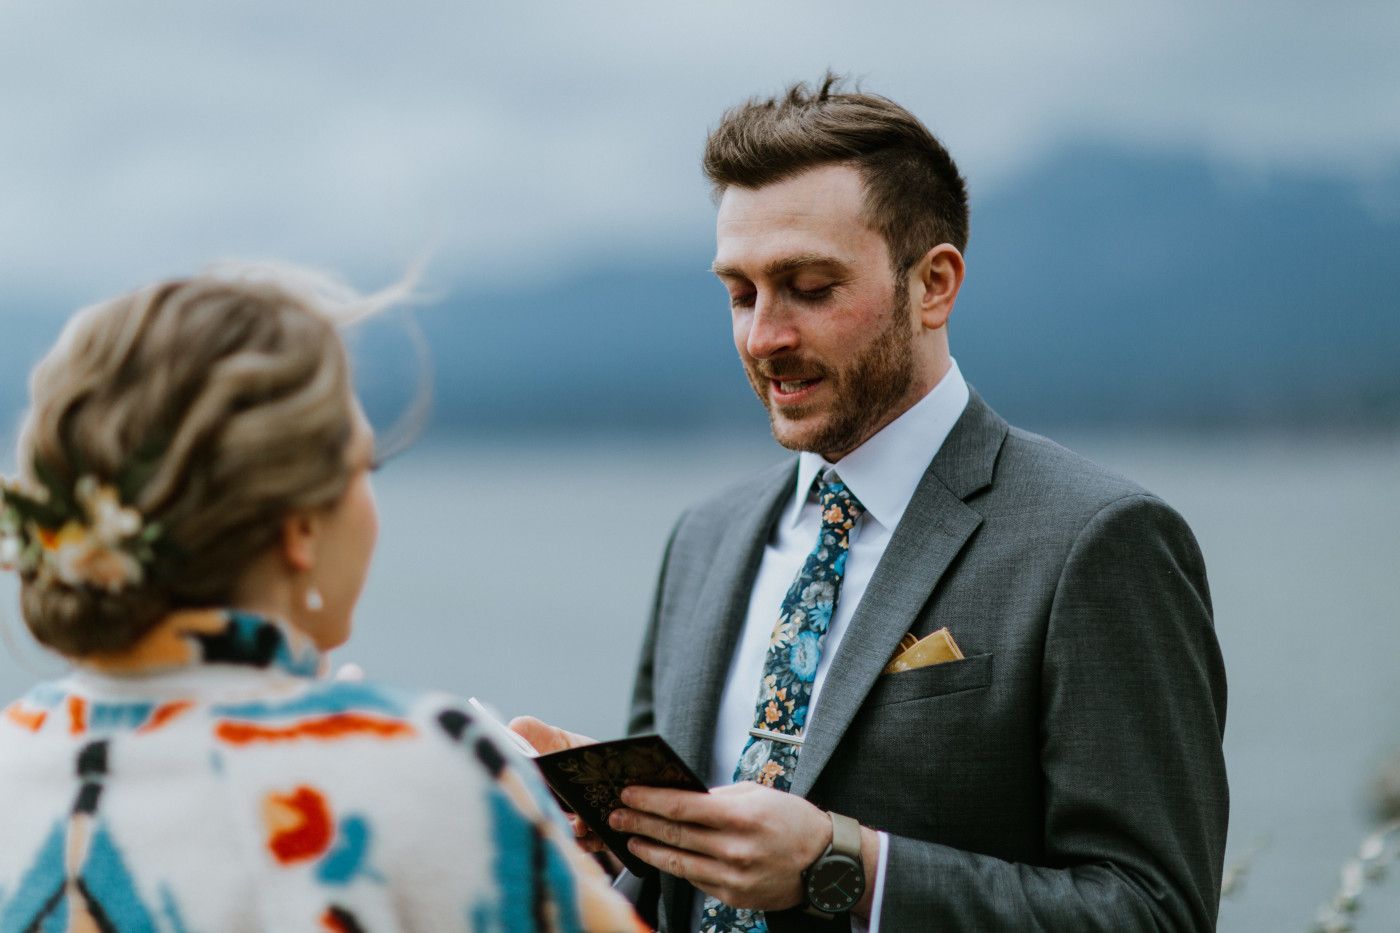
[[603, 776]]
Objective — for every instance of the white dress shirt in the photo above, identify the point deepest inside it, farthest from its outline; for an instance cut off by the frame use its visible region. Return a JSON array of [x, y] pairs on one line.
[[883, 474]]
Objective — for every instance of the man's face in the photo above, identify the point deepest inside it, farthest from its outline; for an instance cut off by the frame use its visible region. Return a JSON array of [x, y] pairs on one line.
[[824, 330]]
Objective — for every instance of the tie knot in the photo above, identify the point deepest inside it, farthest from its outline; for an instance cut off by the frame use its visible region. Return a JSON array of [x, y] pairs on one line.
[[840, 507]]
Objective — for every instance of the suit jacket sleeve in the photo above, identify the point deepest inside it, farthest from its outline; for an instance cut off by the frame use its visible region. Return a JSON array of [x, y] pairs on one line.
[[1133, 778], [641, 717]]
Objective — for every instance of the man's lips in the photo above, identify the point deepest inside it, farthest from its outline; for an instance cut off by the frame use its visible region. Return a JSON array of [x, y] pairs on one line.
[[792, 390]]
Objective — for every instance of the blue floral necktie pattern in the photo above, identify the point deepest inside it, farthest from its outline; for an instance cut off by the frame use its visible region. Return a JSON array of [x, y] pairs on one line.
[[794, 649]]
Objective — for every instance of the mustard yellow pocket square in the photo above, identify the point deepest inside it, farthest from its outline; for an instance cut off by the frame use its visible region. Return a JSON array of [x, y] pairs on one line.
[[913, 653]]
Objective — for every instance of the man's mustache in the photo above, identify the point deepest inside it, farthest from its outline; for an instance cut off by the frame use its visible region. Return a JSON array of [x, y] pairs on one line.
[[788, 368]]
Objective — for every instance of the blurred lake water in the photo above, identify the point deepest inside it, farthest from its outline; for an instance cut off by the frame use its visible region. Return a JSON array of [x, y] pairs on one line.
[[521, 572]]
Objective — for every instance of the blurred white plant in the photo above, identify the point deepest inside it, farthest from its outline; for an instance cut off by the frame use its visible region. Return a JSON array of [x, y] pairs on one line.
[[1235, 873], [1370, 864]]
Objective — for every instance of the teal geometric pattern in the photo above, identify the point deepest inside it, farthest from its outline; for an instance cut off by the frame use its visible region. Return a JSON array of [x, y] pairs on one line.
[[317, 828]]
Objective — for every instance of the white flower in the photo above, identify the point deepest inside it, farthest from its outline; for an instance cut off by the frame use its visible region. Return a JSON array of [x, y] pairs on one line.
[[9, 552], [818, 592], [110, 522], [79, 557], [753, 760], [88, 563], [783, 633]]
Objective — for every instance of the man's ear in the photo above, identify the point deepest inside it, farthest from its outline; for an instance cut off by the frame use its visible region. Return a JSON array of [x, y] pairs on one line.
[[938, 276], [300, 536]]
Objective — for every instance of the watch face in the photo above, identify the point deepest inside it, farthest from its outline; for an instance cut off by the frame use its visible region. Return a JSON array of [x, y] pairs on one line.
[[835, 883]]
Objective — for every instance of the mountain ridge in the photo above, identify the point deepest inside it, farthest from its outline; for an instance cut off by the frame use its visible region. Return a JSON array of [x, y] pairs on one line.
[[1105, 287]]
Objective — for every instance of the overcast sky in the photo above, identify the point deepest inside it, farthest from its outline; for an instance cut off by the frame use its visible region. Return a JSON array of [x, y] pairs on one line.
[[142, 138]]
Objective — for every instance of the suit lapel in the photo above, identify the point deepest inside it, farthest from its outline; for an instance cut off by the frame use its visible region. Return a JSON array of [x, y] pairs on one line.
[[934, 529], [718, 618]]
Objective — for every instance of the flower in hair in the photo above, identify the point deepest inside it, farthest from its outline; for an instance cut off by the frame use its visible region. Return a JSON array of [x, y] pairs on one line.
[[82, 538], [9, 547]]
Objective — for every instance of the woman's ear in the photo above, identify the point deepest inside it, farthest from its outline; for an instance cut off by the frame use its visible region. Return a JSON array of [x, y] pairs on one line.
[[939, 276], [300, 538]]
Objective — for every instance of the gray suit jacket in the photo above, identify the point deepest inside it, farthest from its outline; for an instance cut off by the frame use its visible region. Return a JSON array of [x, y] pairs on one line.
[[1067, 774]]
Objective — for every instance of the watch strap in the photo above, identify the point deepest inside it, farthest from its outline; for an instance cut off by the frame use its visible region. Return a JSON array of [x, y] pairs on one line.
[[845, 836]]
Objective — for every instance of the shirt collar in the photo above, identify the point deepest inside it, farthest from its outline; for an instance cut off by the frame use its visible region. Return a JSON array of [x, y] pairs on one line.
[[884, 471]]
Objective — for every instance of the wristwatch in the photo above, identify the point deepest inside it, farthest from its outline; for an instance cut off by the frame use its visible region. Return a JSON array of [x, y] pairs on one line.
[[834, 883]]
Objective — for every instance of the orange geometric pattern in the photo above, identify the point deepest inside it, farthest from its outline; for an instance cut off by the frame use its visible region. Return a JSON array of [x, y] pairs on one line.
[[298, 759], [167, 645], [31, 719], [163, 714], [321, 728], [299, 824]]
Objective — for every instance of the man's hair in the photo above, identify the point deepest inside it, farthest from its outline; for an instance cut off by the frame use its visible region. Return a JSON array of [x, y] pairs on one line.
[[914, 196]]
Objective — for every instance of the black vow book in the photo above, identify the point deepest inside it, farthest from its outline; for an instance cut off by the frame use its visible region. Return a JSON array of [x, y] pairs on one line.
[[590, 779]]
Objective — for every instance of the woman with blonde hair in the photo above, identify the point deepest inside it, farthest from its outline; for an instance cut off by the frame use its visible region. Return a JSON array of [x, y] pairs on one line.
[[192, 526]]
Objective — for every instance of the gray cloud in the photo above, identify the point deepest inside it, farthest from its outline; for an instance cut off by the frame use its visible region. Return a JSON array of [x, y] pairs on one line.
[[142, 138]]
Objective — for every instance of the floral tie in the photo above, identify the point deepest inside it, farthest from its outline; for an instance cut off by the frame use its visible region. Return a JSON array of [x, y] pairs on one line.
[[795, 647]]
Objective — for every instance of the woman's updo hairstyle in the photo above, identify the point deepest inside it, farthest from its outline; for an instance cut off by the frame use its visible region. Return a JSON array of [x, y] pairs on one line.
[[237, 383]]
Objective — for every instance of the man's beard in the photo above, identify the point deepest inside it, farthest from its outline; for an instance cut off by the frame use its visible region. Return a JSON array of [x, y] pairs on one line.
[[865, 389]]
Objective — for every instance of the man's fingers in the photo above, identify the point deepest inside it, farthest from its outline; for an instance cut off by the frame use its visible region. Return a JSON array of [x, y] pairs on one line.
[[734, 851], [546, 738], [688, 836], [680, 806], [745, 843], [734, 807], [699, 870], [711, 876], [587, 839]]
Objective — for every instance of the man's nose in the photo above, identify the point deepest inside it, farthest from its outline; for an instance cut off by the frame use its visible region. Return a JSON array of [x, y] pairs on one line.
[[771, 328]]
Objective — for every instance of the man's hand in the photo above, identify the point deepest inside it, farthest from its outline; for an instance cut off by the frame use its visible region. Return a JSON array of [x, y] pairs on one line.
[[745, 844], [545, 739]]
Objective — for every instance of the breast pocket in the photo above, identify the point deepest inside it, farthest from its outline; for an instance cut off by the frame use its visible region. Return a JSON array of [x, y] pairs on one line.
[[974, 673]]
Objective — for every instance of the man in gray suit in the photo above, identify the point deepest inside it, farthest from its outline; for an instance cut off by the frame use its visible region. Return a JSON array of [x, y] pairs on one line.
[[1065, 773]]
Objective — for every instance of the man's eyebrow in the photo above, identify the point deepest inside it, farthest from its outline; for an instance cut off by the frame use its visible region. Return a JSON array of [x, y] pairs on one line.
[[778, 267]]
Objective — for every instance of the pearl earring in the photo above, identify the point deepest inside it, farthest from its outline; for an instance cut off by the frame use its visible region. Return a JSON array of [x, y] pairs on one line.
[[314, 602]]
